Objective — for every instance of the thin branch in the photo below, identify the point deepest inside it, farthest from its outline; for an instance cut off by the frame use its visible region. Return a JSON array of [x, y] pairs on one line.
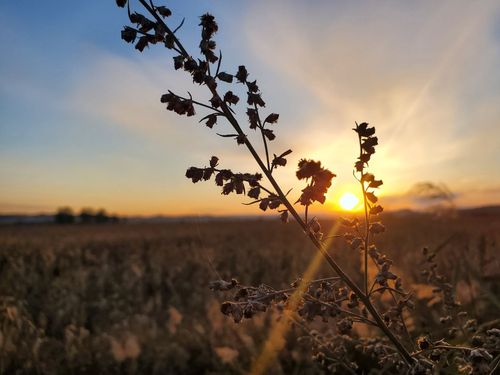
[[178, 27], [152, 11], [261, 127], [219, 63], [220, 113]]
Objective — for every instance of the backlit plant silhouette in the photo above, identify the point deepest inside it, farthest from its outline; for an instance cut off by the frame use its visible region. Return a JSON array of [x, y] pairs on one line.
[[339, 298]]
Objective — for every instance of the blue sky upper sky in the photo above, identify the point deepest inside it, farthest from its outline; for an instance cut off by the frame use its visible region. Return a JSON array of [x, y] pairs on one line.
[[81, 123]]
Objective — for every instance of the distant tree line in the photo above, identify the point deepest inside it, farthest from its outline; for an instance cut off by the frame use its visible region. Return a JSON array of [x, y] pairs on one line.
[[66, 215]]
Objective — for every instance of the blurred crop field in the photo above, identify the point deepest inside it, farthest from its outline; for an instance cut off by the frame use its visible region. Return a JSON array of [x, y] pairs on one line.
[[134, 297]]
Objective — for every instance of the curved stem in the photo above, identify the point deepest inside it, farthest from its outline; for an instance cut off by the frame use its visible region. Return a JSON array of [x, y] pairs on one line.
[[364, 298]]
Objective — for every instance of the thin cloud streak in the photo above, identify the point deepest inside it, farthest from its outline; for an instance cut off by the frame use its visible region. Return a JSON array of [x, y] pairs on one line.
[[405, 68]]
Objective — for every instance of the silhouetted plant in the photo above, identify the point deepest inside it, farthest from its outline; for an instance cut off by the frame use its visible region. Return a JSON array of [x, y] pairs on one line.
[[338, 298]]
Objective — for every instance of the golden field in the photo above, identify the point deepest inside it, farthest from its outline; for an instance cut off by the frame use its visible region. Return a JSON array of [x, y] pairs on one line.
[[134, 297]]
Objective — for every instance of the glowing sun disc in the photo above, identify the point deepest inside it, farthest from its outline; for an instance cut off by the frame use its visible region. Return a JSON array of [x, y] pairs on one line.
[[348, 201]]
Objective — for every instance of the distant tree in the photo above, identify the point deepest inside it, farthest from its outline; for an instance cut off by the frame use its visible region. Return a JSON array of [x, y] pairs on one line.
[[87, 215], [101, 216], [114, 219], [64, 215]]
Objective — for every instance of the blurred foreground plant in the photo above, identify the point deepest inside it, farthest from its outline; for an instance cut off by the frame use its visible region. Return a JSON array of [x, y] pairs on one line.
[[338, 298]]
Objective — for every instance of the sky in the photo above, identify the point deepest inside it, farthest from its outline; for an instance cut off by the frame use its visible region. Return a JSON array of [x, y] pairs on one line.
[[81, 124]]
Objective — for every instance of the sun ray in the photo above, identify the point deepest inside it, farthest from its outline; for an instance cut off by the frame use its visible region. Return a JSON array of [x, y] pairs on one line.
[[446, 60], [275, 339]]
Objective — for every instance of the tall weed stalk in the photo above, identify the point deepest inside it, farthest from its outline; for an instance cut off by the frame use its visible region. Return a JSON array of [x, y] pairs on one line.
[[340, 297]]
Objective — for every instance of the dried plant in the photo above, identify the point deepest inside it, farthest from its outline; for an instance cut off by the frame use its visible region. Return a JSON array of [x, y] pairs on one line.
[[339, 298]]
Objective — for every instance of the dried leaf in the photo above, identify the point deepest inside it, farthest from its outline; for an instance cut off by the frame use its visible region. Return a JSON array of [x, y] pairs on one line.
[[375, 210], [230, 98], [272, 118], [376, 228], [367, 177], [264, 203], [225, 77], [269, 134], [214, 160], [195, 174], [164, 11], [371, 197], [242, 74], [254, 192], [178, 62], [129, 34], [211, 120], [375, 184], [363, 130], [142, 43], [252, 87], [253, 118], [240, 139], [228, 188], [255, 99]]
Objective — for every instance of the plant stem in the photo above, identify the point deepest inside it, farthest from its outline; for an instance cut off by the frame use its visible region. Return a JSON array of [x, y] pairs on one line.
[[316, 242], [197, 103], [367, 221], [350, 283], [261, 128]]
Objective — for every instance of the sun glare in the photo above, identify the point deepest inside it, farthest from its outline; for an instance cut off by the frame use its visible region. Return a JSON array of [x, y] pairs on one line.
[[348, 201]]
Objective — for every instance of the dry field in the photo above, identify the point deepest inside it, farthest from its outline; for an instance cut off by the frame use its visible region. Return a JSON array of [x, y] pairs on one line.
[[134, 298]]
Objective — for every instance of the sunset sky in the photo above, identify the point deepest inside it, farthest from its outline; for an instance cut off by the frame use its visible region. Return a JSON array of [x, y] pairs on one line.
[[81, 123]]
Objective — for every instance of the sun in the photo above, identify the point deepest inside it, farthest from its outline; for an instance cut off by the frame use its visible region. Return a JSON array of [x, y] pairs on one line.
[[348, 201]]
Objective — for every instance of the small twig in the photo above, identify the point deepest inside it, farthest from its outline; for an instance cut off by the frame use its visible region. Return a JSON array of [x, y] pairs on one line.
[[178, 27], [219, 63], [261, 127], [220, 113], [493, 371]]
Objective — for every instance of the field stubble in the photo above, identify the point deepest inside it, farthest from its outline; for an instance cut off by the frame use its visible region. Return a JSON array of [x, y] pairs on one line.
[[130, 298]]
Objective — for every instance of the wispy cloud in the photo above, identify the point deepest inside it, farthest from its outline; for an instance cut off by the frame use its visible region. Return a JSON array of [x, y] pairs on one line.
[[126, 92], [421, 72]]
